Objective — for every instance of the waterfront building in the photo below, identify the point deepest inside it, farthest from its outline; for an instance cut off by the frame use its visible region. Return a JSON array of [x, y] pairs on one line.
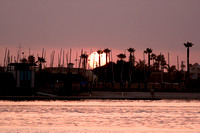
[[23, 73], [194, 71]]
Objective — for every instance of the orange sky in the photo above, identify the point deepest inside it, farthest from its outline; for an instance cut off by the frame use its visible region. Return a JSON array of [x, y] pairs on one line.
[[116, 24]]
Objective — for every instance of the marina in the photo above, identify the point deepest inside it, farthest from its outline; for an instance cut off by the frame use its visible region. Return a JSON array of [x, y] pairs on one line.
[[99, 66]]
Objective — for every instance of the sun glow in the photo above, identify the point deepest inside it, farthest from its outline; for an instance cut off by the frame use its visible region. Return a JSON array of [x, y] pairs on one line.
[[93, 60]]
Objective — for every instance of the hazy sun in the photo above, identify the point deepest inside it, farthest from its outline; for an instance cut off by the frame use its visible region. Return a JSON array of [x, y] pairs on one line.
[[93, 59]]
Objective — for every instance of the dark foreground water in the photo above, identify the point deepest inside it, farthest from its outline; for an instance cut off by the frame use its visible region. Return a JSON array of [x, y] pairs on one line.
[[100, 116]]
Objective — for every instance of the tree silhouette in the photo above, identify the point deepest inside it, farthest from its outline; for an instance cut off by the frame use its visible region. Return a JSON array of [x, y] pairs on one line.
[[140, 65], [161, 61], [153, 57], [31, 59], [122, 57], [131, 63], [131, 57], [140, 71], [148, 51], [99, 52], [171, 70], [41, 60], [24, 60], [107, 51], [188, 45], [84, 57]]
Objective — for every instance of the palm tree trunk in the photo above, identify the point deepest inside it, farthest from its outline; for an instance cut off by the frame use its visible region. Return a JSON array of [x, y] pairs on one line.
[[122, 70], [144, 71], [106, 58], [40, 66], [188, 70], [130, 78], [130, 69], [99, 60], [149, 61], [106, 70], [84, 64]]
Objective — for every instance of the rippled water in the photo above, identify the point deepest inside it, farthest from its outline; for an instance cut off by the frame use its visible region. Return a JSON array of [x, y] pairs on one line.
[[100, 116]]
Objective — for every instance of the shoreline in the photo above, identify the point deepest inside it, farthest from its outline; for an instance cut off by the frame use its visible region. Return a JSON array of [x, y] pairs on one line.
[[103, 95], [70, 98]]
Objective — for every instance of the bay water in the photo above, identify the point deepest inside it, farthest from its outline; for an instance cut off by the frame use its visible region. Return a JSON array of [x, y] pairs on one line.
[[108, 116]]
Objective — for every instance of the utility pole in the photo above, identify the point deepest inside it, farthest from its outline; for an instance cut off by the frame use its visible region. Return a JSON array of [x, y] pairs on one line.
[[5, 57]]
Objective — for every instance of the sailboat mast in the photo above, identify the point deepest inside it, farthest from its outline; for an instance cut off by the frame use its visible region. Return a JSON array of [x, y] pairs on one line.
[[5, 57], [70, 55], [63, 58]]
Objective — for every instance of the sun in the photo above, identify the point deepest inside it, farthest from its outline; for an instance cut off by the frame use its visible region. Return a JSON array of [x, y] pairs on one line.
[[93, 60]]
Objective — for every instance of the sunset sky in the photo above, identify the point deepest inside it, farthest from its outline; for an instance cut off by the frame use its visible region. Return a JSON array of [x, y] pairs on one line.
[[163, 25]]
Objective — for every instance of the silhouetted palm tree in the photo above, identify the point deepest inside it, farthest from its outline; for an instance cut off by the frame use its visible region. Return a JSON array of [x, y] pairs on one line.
[[161, 61], [107, 51], [171, 70], [84, 57], [148, 51], [131, 57], [140, 71], [41, 60], [188, 45], [99, 52], [153, 57], [140, 65], [122, 57], [131, 61]]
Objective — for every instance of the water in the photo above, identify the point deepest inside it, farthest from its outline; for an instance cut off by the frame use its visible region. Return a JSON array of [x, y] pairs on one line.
[[100, 116]]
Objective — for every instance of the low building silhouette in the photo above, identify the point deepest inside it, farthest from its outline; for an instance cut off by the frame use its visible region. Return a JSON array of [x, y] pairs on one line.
[[24, 74], [18, 79]]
